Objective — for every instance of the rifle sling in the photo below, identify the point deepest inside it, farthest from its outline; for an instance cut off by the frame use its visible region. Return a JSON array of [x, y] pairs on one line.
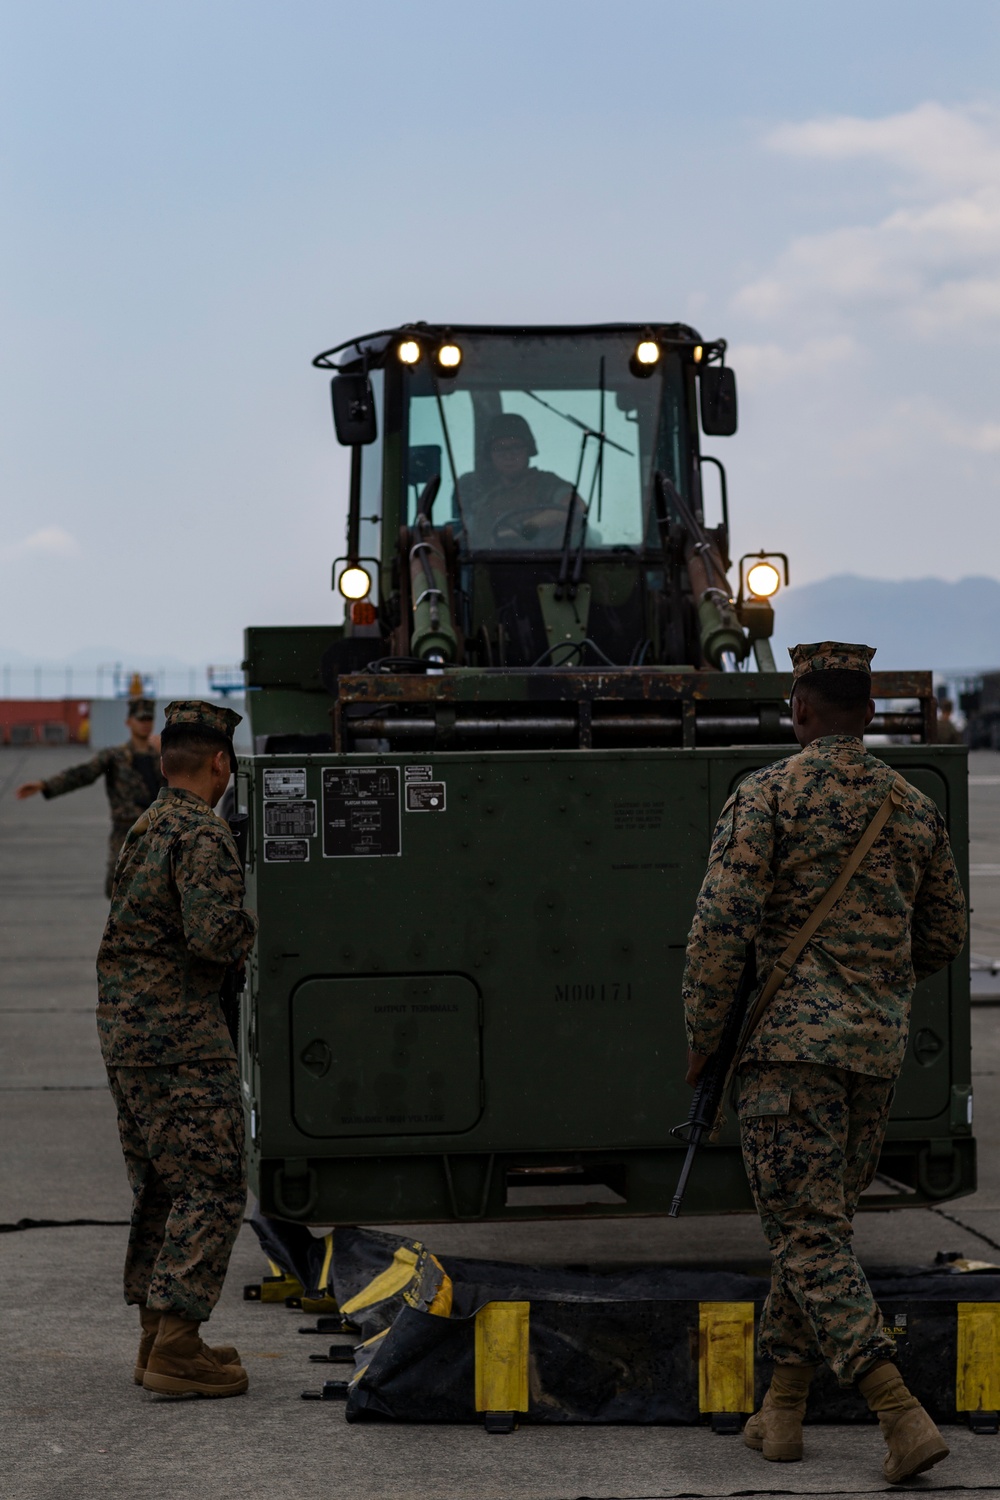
[[822, 909]]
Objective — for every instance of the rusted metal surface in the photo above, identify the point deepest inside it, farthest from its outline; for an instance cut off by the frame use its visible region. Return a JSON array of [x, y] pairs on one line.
[[598, 708], [624, 683]]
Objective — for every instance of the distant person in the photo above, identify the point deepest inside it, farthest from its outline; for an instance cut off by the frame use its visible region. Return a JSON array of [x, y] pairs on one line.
[[948, 732], [509, 503], [131, 774], [176, 926]]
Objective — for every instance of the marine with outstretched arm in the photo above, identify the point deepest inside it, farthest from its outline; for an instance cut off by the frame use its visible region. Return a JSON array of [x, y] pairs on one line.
[[816, 1077], [176, 925], [131, 774]]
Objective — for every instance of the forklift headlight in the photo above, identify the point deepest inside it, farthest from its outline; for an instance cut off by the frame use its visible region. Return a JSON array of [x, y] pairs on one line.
[[449, 357], [408, 352], [763, 580], [645, 359], [354, 582]]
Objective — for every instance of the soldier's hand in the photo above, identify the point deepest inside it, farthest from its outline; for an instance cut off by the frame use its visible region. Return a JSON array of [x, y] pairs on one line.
[[29, 789], [696, 1061]]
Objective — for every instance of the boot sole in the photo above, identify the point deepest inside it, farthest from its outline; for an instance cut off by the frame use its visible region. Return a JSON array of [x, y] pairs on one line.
[[777, 1455], [925, 1457], [174, 1385]]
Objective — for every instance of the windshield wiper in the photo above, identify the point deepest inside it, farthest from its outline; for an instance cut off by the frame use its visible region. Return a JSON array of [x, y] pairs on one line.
[[596, 482], [568, 417]]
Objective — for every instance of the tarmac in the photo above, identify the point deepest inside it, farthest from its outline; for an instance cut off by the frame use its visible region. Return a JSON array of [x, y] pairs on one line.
[[74, 1425]]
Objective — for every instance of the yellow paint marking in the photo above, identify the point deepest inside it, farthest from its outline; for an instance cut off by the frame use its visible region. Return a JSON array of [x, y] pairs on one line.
[[502, 1332], [977, 1377], [725, 1356]]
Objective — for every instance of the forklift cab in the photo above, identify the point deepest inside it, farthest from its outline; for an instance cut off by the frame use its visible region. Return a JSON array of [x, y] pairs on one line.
[[544, 449]]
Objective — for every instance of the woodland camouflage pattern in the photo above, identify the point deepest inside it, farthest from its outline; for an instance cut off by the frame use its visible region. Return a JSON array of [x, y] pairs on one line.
[[825, 656], [780, 842], [195, 711], [129, 791], [811, 1137], [817, 1076], [176, 922], [181, 1130]]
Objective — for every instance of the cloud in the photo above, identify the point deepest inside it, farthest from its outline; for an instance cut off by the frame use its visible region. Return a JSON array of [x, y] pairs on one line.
[[934, 143], [51, 541], [772, 362], [923, 415], [932, 263]]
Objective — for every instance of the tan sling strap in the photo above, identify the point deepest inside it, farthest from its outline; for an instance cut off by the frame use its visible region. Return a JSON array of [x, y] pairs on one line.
[[822, 909]]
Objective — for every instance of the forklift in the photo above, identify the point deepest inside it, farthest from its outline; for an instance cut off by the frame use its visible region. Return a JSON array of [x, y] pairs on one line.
[[480, 807]]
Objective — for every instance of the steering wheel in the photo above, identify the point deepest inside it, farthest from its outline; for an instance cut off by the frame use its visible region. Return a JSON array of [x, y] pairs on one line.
[[523, 523]]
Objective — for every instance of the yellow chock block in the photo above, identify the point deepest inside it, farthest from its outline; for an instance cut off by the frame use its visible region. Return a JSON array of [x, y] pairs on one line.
[[274, 1288], [977, 1376], [502, 1333], [314, 1304], [725, 1358]]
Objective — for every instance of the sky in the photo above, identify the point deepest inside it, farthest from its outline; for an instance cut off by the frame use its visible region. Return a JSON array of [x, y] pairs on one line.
[[197, 197]]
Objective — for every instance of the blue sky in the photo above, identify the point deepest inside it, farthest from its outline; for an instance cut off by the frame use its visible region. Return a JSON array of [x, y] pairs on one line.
[[199, 196]]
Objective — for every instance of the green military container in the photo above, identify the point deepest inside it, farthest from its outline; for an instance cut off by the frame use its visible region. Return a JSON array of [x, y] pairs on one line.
[[480, 808]]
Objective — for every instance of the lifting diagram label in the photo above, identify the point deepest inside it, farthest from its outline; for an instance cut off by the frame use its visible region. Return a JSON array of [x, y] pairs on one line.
[[361, 811]]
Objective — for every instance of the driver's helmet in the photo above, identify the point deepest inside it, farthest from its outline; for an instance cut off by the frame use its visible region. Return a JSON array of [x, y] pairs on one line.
[[510, 424]]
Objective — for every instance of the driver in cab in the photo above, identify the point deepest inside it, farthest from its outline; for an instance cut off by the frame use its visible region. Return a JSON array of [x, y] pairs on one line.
[[506, 502]]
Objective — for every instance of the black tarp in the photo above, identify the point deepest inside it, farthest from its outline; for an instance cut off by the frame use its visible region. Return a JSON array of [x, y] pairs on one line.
[[613, 1345]]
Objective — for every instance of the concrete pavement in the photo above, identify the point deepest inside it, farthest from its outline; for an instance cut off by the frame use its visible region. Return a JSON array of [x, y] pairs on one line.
[[73, 1423]]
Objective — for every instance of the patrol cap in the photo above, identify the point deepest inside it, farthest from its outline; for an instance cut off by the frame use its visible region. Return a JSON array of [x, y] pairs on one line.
[[511, 426], [221, 721], [141, 708], [831, 656], [210, 719]]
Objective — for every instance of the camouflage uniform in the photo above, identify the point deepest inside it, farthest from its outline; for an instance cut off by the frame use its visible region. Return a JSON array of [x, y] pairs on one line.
[[818, 1074], [949, 733], [131, 779], [176, 922]]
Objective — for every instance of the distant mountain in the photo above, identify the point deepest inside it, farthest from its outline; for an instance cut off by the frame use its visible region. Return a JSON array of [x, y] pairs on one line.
[[919, 623], [916, 624]]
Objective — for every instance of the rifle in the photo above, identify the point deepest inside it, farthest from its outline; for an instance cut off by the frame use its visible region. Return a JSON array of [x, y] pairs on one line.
[[705, 1115], [234, 978]]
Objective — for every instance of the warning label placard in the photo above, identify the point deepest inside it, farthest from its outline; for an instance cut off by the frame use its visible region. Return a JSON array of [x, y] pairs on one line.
[[289, 819], [286, 851], [285, 781], [425, 796], [361, 811]]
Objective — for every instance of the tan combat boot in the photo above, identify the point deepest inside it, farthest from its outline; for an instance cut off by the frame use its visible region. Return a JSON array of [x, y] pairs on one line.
[[914, 1441], [181, 1365], [776, 1430], [149, 1317]]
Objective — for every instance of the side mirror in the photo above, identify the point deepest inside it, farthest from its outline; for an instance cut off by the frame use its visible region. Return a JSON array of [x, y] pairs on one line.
[[718, 401], [353, 410]]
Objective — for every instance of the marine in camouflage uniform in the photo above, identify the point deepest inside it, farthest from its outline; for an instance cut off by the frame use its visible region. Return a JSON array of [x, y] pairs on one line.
[[131, 777], [176, 924], [948, 732], [530, 503], [817, 1076]]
